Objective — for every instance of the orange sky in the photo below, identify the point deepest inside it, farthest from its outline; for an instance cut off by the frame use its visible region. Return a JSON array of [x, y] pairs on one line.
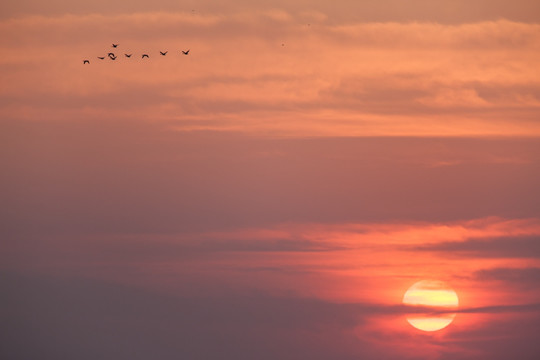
[[329, 79], [273, 194]]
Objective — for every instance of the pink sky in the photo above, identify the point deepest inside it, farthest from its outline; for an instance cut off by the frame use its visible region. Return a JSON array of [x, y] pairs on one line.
[[273, 194]]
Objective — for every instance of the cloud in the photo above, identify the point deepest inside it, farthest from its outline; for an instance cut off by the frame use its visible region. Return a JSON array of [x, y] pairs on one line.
[[524, 278], [487, 34], [129, 176], [500, 337], [456, 11], [492, 309], [495, 309], [498, 247], [80, 317], [393, 78]]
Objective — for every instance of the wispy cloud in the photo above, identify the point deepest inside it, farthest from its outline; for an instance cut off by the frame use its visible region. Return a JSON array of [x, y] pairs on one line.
[[498, 247], [391, 78], [520, 277]]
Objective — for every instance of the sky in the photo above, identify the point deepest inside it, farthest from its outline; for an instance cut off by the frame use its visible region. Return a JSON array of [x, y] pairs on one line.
[[273, 194]]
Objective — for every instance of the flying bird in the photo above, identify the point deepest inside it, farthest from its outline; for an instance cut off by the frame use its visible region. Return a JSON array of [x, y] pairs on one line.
[[101, 57], [128, 55], [185, 52], [111, 55], [145, 55], [86, 62], [114, 45], [163, 53]]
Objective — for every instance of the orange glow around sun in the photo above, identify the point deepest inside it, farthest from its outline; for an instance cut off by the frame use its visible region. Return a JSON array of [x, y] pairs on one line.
[[435, 295]]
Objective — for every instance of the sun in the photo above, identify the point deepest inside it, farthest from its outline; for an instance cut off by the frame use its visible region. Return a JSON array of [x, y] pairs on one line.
[[433, 300]]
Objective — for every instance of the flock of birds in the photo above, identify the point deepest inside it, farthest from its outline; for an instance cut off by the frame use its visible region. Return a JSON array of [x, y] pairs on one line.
[[113, 56]]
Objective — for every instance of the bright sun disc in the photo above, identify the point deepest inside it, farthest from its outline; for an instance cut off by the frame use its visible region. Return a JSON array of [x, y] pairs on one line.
[[433, 299]]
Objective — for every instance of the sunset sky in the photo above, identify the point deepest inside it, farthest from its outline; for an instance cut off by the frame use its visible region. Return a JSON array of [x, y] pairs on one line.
[[273, 194]]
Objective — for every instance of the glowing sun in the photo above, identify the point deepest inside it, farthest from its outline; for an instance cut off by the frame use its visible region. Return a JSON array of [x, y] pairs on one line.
[[433, 299]]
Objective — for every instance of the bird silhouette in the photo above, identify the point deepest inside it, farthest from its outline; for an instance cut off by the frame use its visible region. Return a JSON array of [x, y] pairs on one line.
[[111, 55], [145, 55], [185, 52], [114, 45], [163, 53], [86, 62], [101, 57], [128, 55]]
